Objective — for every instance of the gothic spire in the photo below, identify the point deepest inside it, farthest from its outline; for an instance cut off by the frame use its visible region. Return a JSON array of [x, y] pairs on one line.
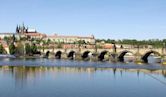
[[17, 29]]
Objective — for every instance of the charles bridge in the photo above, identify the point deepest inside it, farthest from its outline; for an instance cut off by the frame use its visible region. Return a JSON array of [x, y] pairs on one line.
[[141, 54]]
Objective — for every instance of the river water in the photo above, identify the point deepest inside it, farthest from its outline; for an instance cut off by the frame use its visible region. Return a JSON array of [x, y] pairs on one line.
[[66, 78]]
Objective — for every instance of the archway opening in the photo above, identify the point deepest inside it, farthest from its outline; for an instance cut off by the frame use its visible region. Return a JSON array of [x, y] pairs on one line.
[[71, 55], [126, 56], [47, 54], [151, 57], [104, 56], [86, 55], [58, 55]]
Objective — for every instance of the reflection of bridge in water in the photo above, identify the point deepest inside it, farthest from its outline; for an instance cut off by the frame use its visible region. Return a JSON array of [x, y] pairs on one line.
[[24, 75], [141, 54], [23, 72]]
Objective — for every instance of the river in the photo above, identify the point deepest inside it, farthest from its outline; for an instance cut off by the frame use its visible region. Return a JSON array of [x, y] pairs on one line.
[[67, 78]]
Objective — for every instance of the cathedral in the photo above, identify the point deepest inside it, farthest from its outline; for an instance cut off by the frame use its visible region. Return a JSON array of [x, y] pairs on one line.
[[26, 32], [21, 29]]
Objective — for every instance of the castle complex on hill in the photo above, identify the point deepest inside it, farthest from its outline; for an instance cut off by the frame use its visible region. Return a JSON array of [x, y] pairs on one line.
[[22, 31], [31, 35]]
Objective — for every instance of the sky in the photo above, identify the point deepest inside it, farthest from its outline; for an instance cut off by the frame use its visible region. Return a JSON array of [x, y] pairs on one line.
[[114, 19]]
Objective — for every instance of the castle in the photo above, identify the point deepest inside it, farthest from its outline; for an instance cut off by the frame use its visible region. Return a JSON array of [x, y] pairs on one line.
[[22, 31]]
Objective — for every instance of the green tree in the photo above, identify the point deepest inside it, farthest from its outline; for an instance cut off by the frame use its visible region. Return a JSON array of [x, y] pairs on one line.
[[13, 38], [81, 42], [2, 50], [23, 38], [156, 43], [12, 48], [109, 41], [20, 49], [33, 49], [48, 41], [43, 44], [7, 39], [27, 49], [59, 45], [38, 41]]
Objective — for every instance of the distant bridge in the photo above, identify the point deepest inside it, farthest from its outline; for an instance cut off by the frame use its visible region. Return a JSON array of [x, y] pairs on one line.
[[102, 54]]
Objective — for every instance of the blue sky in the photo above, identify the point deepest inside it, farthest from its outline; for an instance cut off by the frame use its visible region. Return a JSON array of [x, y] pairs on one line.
[[114, 19]]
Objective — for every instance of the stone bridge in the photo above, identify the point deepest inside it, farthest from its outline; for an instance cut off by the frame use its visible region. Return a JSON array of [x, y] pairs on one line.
[[102, 54]]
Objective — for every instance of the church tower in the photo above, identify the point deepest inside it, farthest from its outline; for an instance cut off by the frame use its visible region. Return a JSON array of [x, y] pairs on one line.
[[21, 29]]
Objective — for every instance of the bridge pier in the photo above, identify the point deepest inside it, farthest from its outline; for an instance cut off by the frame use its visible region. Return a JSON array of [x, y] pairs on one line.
[[51, 55], [64, 55], [78, 56]]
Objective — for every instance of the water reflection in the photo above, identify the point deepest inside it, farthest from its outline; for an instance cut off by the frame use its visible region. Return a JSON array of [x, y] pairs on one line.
[[22, 74], [42, 81], [70, 63]]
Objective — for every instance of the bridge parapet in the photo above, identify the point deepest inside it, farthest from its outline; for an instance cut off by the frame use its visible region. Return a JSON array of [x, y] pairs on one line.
[[85, 50]]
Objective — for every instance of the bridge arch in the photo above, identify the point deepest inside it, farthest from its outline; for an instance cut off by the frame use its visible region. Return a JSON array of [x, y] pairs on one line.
[[122, 54], [47, 54], [86, 55], [58, 54], [102, 55], [71, 55], [147, 54]]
